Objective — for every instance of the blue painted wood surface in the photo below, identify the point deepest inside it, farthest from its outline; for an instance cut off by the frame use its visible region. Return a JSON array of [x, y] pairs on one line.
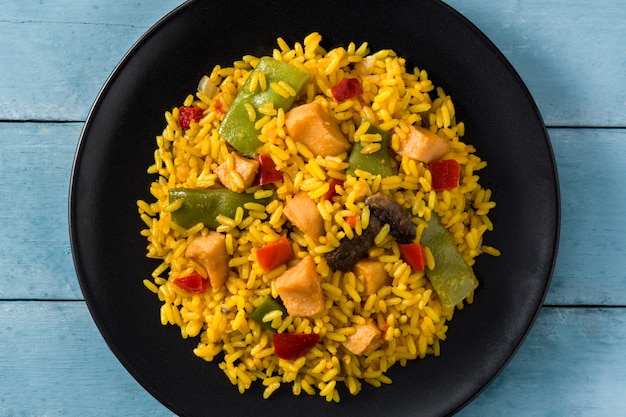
[[55, 56]]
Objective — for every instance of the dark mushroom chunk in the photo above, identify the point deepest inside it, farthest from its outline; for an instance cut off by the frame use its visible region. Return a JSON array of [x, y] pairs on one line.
[[351, 250], [390, 212]]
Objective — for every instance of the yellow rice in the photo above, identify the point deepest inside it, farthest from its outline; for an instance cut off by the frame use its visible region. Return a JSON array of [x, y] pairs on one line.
[[415, 321]]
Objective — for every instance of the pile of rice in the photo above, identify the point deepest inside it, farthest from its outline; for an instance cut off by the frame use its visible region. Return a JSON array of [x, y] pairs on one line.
[[409, 309]]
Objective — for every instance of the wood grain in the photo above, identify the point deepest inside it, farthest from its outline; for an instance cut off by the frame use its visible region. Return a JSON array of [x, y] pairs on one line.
[[567, 52], [571, 364], [57, 54], [573, 69], [66, 372]]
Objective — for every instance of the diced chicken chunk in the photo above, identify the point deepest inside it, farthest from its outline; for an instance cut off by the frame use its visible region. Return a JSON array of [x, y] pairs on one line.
[[210, 252], [302, 212], [372, 273], [423, 145], [366, 338], [310, 125], [246, 168], [300, 289]]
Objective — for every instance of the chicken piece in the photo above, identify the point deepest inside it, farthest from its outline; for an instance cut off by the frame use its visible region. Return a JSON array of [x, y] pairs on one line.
[[302, 212], [365, 339], [373, 275], [300, 289], [246, 168], [310, 125], [210, 252], [423, 145]]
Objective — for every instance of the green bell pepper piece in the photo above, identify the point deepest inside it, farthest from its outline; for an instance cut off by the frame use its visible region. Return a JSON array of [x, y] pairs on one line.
[[452, 278], [205, 205], [376, 163], [236, 127], [267, 305]]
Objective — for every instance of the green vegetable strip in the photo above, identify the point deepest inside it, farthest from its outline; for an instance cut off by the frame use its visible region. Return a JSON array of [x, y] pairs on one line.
[[376, 163], [236, 127], [452, 278], [267, 306], [205, 205]]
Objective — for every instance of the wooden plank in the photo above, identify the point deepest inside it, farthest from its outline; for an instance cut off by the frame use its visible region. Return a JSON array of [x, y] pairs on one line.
[[589, 271], [35, 167], [54, 362], [61, 53], [565, 54], [572, 364], [591, 266]]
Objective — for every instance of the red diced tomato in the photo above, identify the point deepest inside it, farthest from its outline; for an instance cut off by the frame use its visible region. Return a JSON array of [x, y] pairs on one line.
[[332, 191], [445, 174], [219, 107], [413, 254], [384, 331], [187, 114], [274, 254], [193, 283], [267, 171], [293, 346], [351, 220], [346, 89]]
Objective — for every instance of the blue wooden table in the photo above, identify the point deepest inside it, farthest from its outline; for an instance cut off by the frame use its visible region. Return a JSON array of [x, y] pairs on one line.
[[56, 54]]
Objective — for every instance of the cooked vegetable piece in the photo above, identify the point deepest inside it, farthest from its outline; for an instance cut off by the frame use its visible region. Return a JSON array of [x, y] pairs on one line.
[[351, 250], [413, 254], [445, 174], [246, 168], [210, 252], [376, 163], [351, 220], [293, 346], [346, 89], [302, 212], [193, 283], [267, 306], [205, 205], [390, 212], [187, 114], [373, 274], [274, 254], [422, 145], [310, 125], [365, 339], [236, 127], [452, 278], [268, 173], [383, 210], [332, 190], [300, 288]]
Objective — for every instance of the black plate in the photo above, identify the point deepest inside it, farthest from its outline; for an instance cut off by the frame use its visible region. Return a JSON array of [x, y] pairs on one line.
[[117, 145]]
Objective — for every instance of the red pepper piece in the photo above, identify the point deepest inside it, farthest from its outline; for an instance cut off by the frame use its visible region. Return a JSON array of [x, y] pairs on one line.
[[187, 114], [274, 254], [292, 346], [413, 254], [445, 174], [219, 107], [351, 220], [267, 171], [347, 88], [332, 191], [193, 283]]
